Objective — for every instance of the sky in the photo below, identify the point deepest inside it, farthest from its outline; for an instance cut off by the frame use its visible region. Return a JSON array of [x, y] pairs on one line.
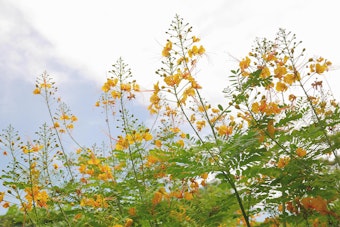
[[77, 41]]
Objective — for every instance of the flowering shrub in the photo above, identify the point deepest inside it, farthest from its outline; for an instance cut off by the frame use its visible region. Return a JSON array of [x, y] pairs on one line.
[[270, 150]]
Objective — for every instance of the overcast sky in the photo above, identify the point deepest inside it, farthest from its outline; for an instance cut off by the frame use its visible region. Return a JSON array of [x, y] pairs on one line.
[[77, 42]]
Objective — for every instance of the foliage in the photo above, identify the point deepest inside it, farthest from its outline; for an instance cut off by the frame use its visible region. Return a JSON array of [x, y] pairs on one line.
[[270, 150]]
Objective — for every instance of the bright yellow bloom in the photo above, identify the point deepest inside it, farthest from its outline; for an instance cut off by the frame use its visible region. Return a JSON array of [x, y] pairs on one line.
[[201, 109], [283, 162], [280, 71], [265, 73], [167, 49], [39, 196], [225, 130], [132, 211], [289, 79], [180, 142], [36, 91], [74, 118], [245, 63], [255, 107], [56, 125], [188, 196], [34, 148], [205, 175], [301, 152], [122, 143], [318, 204], [128, 222], [125, 87], [151, 160], [200, 125], [147, 136], [271, 128], [136, 87], [192, 118], [157, 198], [45, 85], [158, 143], [2, 194], [82, 168], [319, 69], [172, 80], [175, 130], [93, 160], [281, 86], [195, 39], [201, 50], [189, 92], [64, 117]]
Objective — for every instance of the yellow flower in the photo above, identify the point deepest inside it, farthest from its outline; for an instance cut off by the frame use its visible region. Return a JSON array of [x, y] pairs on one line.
[[281, 86], [205, 175], [301, 152], [255, 107], [35, 148], [245, 63], [36, 91], [280, 71], [167, 49], [192, 118], [93, 160], [5, 205], [265, 73], [157, 198], [64, 117], [289, 79], [225, 130], [180, 142], [45, 85], [172, 80], [291, 97], [200, 125], [271, 128], [175, 130], [201, 108], [147, 136], [188, 196], [201, 50], [132, 211], [195, 39], [128, 222], [151, 160], [2, 194], [82, 168], [158, 143], [136, 87], [283, 162], [125, 87], [115, 94], [74, 118], [319, 69]]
